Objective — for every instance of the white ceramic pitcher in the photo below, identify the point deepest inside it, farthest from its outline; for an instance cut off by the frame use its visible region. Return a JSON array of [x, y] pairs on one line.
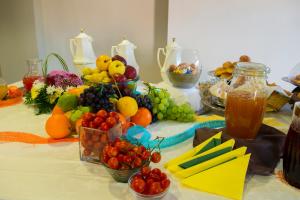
[[82, 49], [126, 50], [172, 56]]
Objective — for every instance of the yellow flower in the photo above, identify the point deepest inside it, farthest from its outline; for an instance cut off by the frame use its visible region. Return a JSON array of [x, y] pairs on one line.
[[53, 97], [34, 92]]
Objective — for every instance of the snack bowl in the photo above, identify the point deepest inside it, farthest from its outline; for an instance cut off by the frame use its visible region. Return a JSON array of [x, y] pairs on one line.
[[123, 175], [140, 196], [184, 80]]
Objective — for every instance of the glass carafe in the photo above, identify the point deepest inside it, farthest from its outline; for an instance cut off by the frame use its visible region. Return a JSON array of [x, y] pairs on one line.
[[246, 100], [291, 155], [3, 86], [32, 73]]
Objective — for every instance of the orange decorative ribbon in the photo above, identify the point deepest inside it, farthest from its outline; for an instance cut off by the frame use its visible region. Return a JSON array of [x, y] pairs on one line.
[[11, 102], [31, 138]]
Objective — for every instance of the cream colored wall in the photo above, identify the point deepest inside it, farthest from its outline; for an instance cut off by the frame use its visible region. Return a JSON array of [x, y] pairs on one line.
[[144, 22], [17, 37], [268, 31]]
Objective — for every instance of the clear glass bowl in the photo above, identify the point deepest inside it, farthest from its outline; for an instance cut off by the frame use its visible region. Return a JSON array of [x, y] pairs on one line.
[[184, 69], [92, 141], [146, 196]]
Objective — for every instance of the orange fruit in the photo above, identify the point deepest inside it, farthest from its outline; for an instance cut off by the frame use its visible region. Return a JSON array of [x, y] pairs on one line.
[[127, 106], [57, 110], [14, 91], [58, 126], [78, 124], [143, 117]]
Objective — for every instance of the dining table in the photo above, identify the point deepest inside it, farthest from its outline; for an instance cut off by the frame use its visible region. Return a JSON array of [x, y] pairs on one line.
[[54, 171]]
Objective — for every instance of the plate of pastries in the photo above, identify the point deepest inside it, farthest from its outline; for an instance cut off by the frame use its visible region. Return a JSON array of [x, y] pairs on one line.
[[225, 71]]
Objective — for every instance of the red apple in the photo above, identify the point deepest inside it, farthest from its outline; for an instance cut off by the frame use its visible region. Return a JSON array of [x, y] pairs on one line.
[[130, 72], [120, 78], [119, 58]]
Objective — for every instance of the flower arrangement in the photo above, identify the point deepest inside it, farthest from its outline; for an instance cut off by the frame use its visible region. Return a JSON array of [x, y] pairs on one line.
[[46, 90]]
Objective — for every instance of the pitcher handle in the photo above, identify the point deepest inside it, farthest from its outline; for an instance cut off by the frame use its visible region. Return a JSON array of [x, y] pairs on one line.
[[114, 51], [72, 46], [158, 56]]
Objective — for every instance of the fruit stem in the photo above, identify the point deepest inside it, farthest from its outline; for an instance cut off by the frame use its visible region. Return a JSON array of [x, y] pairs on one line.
[[115, 83]]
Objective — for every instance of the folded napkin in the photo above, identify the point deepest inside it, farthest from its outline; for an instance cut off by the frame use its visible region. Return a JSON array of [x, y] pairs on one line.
[[266, 150]]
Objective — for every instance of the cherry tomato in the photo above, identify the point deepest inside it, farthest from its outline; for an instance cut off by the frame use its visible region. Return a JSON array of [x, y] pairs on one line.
[[145, 171], [145, 155], [155, 188], [112, 152], [120, 158], [117, 140], [103, 138], [165, 183], [154, 176], [124, 167], [138, 185], [85, 123], [113, 163], [142, 148], [92, 124], [98, 120], [137, 162], [111, 121], [102, 113], [104, 158], [163, 176], [95, 138], [156, 171], [105, 149], [114, 115], [155, 157], [127, 159], [88, 116], [104, 126], [87, 152], [122, 146]]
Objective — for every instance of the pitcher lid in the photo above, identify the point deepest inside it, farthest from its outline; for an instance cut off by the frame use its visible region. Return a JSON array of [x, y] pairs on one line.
[[173, 44], [126, 42], [82, 34]]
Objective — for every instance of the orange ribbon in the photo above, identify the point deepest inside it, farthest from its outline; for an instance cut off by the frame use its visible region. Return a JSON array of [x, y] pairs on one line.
[[11, 102], [31, 138]]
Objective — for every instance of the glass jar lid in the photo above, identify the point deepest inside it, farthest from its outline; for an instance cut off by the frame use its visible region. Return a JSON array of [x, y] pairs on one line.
[[251, 69]]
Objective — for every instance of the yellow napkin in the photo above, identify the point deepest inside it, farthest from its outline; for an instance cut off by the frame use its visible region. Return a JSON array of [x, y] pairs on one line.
[[226, 179], [176, 168], [192, 152], [211, 163]]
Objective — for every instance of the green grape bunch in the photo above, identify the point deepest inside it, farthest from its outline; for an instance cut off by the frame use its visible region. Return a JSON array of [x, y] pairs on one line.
[[164, 108]]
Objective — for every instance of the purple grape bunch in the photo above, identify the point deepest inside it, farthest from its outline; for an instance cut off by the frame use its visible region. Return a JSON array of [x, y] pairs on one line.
[[98, 97]]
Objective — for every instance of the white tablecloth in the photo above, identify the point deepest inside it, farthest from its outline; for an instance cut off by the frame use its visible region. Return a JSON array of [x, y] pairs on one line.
[[54, 171]]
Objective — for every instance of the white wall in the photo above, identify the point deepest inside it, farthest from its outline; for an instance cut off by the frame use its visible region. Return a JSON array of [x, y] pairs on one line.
[[144, 22], [268, 31], [17, 38]]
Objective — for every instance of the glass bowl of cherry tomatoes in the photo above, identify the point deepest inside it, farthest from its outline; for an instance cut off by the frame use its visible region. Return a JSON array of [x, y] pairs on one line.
[[96, 131], [149, 184], [123, 159]]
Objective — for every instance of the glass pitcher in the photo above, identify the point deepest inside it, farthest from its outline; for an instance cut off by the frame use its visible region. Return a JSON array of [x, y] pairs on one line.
[[3, 87], [246, 100], [32, 73], [291, 154]]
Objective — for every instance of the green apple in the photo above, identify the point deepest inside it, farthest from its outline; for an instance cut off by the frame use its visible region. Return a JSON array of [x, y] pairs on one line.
[[116, 67]]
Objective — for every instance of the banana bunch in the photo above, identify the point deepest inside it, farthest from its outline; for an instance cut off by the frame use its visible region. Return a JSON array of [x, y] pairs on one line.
[[95, 76]]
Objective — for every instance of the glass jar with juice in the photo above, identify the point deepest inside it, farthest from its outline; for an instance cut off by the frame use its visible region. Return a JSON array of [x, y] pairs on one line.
[[246, 100], [3, 87], [32, 73], [291, 153]]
